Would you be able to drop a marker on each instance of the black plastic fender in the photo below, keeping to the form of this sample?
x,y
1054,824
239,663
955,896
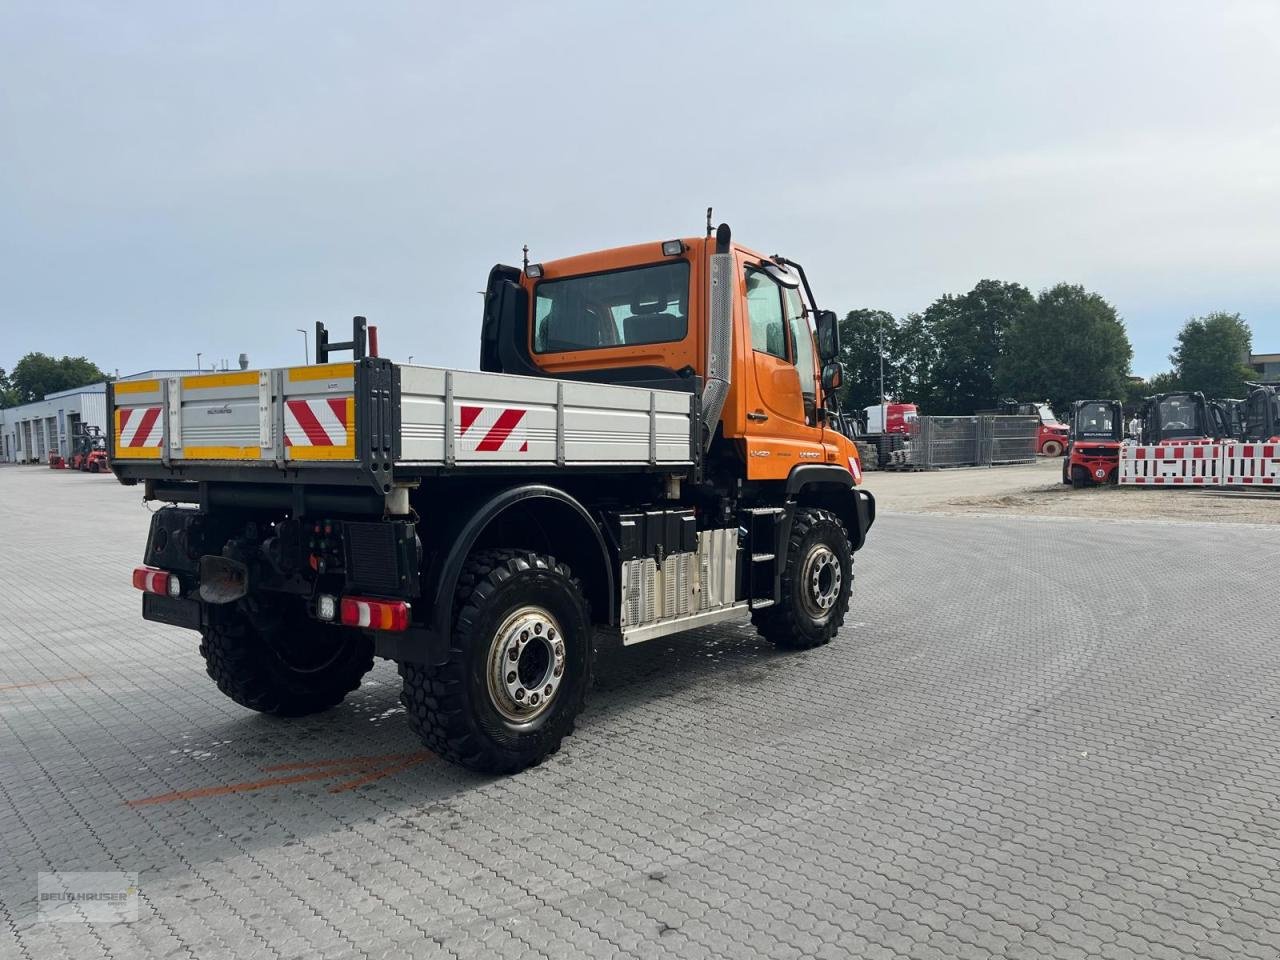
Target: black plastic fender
x,y
430,643
831,486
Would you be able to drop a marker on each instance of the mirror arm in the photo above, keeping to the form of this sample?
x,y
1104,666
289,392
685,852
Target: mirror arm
x,y
804,279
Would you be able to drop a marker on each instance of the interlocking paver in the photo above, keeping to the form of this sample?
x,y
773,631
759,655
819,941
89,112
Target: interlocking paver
x,y
1033,739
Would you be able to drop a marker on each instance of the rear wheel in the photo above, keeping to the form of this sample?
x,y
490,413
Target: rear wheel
x,y
1052,448
273,658
518,669
816,584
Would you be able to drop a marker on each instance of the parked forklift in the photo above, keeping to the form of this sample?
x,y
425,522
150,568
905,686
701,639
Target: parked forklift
x,y
88,449
1093,450
1176,418
1262,413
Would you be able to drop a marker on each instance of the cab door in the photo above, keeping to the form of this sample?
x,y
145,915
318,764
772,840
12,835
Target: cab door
x,y
781,430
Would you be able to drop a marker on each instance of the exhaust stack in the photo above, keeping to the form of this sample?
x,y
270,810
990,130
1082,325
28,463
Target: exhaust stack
x,y
719,334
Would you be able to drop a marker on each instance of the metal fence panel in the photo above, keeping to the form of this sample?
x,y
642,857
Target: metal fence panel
x,y
973,441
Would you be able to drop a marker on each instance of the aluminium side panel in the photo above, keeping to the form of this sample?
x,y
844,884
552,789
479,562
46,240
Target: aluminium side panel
x,y
213,416
138,426
457,418
319,419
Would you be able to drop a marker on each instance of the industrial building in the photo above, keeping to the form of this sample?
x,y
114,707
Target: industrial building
x,y
32,431
1266,365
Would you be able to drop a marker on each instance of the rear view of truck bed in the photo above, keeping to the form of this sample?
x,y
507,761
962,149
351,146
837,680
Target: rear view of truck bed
x,y
383,417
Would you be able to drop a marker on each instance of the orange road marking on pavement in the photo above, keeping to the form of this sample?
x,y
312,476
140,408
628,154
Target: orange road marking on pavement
x,y
368,769
43,683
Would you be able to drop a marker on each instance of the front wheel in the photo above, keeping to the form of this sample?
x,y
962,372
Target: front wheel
x,y
816,584
1052,448
518,669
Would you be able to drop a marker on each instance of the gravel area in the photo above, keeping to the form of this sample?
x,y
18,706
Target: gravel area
x,y
1036,490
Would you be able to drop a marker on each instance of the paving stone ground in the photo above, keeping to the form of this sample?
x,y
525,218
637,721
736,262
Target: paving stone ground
x,y
1034,738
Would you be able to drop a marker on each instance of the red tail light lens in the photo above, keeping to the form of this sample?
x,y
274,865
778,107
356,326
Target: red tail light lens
x,y
375,614
150,580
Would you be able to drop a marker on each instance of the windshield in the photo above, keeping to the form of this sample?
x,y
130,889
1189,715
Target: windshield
x,y
1179,419
621,308
1097,421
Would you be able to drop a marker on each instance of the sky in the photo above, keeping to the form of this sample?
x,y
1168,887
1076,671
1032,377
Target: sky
x,y
180,178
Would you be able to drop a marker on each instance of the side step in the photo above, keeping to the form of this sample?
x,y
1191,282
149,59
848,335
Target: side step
x,y
764,574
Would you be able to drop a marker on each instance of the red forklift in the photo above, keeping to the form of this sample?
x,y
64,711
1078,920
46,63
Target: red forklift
x,y
1093,450
88,449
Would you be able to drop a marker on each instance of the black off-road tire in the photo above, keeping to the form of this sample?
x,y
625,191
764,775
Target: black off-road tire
x,y
790,623
279,661
1080,478
452,706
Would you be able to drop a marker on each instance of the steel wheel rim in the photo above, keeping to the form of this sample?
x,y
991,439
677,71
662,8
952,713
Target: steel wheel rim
x,y
821,580
526,664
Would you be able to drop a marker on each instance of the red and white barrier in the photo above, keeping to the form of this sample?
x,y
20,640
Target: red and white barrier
x,y
1172,464
1251,464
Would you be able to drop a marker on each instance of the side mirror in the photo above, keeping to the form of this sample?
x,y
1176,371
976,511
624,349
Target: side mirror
x,y
832,376
828,334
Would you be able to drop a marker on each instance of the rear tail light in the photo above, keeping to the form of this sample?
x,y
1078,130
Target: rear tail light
x,y
150,580
375,614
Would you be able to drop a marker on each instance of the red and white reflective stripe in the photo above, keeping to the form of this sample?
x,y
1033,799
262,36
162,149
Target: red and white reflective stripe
x,y
150,580
856,469
375,614
493,429
316,423
140,427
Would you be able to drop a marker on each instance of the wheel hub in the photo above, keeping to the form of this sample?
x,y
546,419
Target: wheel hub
x,y
822,579
526,664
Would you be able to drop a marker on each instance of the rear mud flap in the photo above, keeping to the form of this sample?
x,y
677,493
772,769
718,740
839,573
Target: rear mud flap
x,y
174,612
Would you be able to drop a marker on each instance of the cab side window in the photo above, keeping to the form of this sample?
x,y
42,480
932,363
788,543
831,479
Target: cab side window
x,y
802,338
764,313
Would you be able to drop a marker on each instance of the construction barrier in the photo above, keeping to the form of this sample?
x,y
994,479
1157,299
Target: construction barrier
x,y
1251,464
1173,464
1201,463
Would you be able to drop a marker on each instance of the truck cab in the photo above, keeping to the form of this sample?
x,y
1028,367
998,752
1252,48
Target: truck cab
x,y
647,315
1093,451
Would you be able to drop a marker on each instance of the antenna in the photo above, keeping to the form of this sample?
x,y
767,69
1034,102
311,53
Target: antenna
x,y
708,221
526,256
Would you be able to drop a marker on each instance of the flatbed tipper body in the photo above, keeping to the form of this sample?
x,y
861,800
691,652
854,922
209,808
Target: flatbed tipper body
x,y
650,446
373,423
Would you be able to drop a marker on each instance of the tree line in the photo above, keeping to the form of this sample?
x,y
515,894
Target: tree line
x,y
965,352
36,375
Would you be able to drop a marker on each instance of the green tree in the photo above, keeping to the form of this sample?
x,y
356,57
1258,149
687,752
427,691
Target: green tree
x,y
915,354
969,332
1212,354
8,397
861,333
37,375
1072,346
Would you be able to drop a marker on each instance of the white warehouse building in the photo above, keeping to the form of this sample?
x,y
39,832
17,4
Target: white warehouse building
x,y
32,431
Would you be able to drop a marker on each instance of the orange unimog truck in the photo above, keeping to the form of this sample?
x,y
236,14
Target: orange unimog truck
x,y
650,447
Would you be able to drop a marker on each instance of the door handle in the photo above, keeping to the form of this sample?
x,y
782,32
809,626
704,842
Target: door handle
x,y
758,416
